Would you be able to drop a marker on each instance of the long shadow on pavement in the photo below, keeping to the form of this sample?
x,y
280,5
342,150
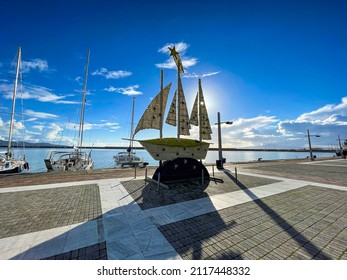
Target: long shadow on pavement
x,y
308,246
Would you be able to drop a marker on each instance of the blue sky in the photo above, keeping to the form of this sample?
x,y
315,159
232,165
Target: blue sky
x,y
275,68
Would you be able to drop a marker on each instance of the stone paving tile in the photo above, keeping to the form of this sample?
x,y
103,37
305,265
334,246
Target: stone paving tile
x,y
320,172
267,228
146,195
30,211
93,252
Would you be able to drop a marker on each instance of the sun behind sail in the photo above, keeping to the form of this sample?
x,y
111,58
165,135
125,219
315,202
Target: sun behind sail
x,y
206,130
199,116
182,116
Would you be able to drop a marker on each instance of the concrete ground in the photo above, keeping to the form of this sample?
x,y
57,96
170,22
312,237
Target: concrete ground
x,y
272,210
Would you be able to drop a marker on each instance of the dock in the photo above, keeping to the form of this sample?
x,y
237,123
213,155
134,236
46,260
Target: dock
x,y
281,210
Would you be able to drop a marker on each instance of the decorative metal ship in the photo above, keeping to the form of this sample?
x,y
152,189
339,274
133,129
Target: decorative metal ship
x,y
180,155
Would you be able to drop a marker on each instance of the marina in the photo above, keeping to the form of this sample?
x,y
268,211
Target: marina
x,y
103,157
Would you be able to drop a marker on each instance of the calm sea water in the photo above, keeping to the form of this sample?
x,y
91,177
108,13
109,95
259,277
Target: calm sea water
x,y
103,158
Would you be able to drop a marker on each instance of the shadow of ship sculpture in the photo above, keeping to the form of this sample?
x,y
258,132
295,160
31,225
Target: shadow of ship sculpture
x,y
182,157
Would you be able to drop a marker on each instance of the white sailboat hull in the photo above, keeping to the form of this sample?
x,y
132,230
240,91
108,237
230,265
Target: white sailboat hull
x,y
169,152
12,166
69,161
126,159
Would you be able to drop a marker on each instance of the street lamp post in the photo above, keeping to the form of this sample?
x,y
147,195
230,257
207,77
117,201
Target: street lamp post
x,y
220,155
309,142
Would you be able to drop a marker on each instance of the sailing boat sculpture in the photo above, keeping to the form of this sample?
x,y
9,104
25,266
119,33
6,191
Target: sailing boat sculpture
x,y
8,164
77,159
177,152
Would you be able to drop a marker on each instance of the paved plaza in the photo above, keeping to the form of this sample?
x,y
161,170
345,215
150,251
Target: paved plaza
x,y
275,210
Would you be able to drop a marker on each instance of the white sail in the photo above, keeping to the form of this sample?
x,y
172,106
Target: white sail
x,y
183,116
152,116
194,116
205,126
171,116
199,116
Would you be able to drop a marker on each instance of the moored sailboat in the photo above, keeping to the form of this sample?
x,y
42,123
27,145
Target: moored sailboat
x,y
77,159
8,163
129,158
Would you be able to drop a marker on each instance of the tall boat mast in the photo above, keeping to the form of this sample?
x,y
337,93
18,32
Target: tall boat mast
x,y
132,126
8,156
80,132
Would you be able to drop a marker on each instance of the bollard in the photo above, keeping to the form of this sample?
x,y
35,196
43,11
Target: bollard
x,y
236,174
135,173
213,170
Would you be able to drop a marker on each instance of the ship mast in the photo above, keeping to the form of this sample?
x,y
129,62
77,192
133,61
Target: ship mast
x,y
199,111
8,155
132,127
80,132
180,70
161,103
178,106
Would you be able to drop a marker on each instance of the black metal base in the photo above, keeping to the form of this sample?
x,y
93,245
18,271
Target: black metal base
x,y
181,170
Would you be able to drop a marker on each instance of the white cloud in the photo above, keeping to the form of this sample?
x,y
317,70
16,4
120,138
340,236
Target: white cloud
x,y
18,129
38,127
181,47
269,132
325,112
38,93
52,131
35,64
40,115
130,90
111,74
89,126
195,76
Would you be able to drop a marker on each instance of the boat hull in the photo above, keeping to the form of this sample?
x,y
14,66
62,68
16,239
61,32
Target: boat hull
x,y
13,167
69,161
127,160
163,151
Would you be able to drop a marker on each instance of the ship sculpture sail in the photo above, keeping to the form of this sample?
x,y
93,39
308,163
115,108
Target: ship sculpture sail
x,y
199,116
151,118
182,112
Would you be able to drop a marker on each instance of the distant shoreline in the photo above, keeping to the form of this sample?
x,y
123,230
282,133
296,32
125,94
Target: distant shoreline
x,y
317,150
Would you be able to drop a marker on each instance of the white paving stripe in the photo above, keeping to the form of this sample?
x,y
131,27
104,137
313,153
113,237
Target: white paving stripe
x,y
131,233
